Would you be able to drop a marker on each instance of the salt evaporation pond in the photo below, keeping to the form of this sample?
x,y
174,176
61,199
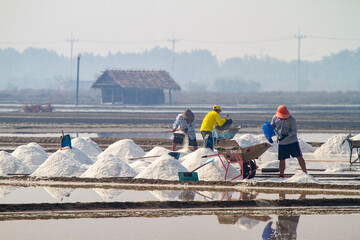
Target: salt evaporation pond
x,y
30,158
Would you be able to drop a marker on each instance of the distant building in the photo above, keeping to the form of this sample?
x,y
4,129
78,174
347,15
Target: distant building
x,y
135,87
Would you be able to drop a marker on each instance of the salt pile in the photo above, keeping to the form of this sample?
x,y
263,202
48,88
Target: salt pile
x,y
302,177
32,155
305,147
164,167
157,151
139,165
86,145
334,145
107,166
247,140
11,165
78,155
60,165
214,171
124,149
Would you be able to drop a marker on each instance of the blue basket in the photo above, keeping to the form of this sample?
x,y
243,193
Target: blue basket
x,y
268,131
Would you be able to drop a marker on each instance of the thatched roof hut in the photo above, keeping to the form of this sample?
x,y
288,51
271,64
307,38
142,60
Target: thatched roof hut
x,y
135,87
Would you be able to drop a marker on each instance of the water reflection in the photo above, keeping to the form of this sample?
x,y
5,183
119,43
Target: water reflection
x,y
59,193
285,228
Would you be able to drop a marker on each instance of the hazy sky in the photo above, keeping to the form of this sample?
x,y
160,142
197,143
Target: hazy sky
x,y
228,28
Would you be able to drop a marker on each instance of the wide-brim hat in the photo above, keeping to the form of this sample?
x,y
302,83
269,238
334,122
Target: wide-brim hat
x,y
188,115
282,112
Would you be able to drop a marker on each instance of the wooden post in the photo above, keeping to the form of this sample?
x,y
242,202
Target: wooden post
x,y
170,101
77,82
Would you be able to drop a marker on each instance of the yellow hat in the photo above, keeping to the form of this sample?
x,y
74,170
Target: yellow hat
x,y
217,107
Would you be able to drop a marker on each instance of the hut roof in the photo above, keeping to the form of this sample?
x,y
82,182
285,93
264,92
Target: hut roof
x,y
136,79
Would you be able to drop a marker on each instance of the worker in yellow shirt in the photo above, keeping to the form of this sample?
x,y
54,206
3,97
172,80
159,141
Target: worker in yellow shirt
x,y
210,120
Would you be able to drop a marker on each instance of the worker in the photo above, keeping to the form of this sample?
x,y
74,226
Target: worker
x,y
185,125
210,121
289,146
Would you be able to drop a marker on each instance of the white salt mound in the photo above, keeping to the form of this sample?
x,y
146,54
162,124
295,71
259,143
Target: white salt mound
x,y
214,171
60,165
156,151
109,166
86,145
356,137
124,149
247,140
10,164
165,167
31,155
78,155
334,146
34,144
139,165
305,147
302,177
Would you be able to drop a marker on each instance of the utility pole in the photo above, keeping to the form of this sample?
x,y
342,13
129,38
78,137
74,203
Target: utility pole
x,y
299,37
77,82
173,52
72,41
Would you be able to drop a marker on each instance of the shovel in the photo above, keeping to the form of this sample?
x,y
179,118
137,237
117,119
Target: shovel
x,y
175,155
192,176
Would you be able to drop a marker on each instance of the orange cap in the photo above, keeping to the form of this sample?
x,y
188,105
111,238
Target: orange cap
x,y
282,112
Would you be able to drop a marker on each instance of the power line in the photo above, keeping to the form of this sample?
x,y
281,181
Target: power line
x,y
334,38
237,42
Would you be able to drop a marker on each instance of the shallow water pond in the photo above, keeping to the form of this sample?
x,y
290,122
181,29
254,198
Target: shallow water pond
x,y
194,227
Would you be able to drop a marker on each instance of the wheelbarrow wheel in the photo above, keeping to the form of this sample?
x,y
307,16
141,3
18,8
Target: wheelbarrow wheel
x,y
249,171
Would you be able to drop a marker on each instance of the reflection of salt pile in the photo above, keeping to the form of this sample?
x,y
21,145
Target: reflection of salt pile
x,y
334,146
108,194
5,190
214,171
11,165
124,149
32,155
302,177
86,145
60,165
167,195
108,165
59,193
247,223
165,167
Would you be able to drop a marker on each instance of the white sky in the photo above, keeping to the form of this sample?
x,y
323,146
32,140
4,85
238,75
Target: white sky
x,y
138,25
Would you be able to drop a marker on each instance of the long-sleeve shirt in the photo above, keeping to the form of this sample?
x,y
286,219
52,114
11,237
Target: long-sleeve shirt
x,y
180,123
210,120
286,126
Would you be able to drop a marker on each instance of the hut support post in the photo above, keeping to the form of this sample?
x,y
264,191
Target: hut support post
x,y
170,101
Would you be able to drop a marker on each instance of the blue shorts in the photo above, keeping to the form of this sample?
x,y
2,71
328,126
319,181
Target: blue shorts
x,y
289,150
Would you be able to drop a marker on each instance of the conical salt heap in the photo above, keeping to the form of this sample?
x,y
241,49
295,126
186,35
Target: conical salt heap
x,y
124,149
108,165
32,155
11,165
